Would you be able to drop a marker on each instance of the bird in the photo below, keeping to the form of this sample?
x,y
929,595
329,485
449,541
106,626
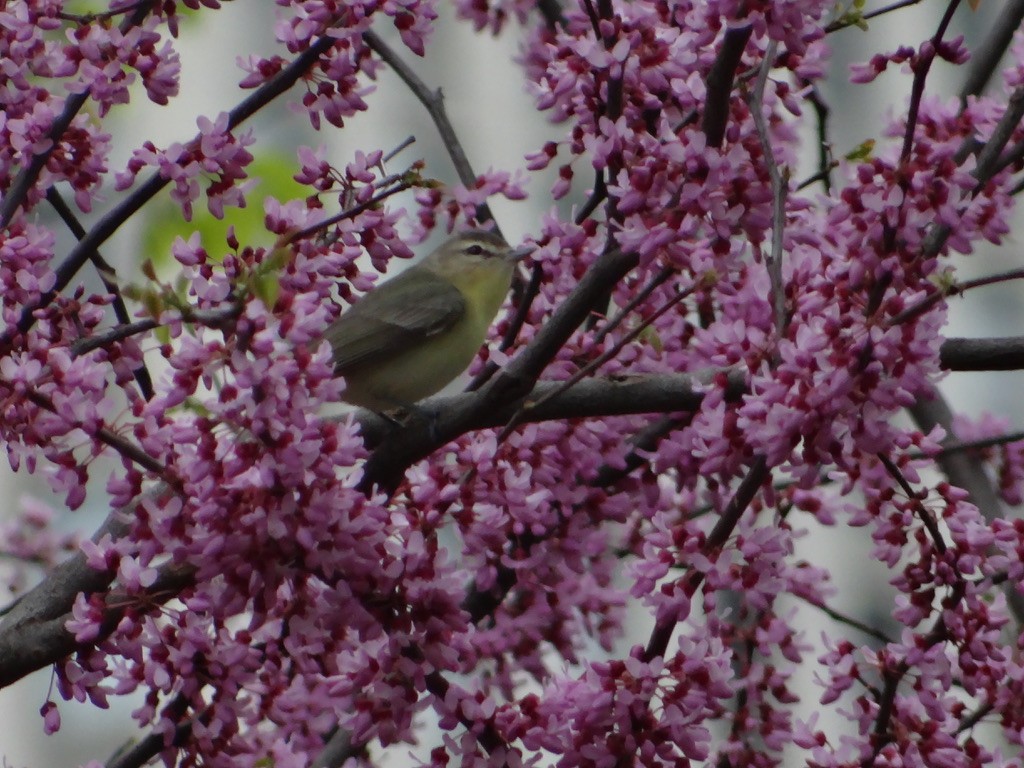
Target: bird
x,y
413,334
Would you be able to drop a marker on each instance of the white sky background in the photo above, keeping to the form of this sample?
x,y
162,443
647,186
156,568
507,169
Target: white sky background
x,y
496,122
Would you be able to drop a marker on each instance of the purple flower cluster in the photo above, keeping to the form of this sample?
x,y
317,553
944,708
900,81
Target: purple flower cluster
x,y
629,587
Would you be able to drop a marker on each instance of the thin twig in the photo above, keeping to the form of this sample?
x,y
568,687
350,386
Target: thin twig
x,y
433,101
352,212
835,26
987,161
816,177
589,368
523,304
849,621
663,274
922,511
955,290
756,476
893,675
111,439
977,445
205,317
597,196
964,469
920,76
975,717
825,162
109,278
779,190
83,346
409,141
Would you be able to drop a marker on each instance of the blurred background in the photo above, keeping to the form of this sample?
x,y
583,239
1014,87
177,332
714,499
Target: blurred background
x,y
496,121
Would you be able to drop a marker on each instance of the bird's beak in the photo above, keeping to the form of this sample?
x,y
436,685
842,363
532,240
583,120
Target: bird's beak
x,y
520,253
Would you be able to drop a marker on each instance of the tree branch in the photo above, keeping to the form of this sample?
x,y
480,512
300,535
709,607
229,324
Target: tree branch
x,y
112,221
779,190
985,58
719,84
109,278
502,393
996,354
965,470
433,101
756,476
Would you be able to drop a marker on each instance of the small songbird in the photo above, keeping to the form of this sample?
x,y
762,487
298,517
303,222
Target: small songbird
x,y
413,334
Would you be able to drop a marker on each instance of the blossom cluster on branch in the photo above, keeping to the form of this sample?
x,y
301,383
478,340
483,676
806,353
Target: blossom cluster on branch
x,y
281,588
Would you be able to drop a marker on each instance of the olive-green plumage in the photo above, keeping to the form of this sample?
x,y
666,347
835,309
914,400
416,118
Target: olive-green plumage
x,y
413,334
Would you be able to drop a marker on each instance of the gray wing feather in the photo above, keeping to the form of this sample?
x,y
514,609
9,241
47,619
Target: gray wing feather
x,y
390,319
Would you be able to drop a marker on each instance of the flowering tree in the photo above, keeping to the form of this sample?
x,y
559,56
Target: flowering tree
x,y
708,357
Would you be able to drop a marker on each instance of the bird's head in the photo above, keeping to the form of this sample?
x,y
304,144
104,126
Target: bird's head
x,y
473,252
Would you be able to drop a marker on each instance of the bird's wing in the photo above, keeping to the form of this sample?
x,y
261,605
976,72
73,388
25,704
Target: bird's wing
x,y
394,317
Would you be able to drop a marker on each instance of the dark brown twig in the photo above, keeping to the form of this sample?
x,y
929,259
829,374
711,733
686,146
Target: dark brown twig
x,y
639,298
849,621
399,186
433,101
825,162
923,513
955,290
109,278
921,69
127,450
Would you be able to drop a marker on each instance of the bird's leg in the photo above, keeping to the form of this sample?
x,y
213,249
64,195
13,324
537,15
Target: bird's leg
x,y
428,416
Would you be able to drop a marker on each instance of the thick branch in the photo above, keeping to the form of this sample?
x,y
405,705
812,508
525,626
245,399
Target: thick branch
x,y
590,398
985,57
32,633
998,354
719,84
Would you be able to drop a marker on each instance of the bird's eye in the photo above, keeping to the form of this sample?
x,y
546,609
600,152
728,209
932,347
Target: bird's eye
x,y
474,250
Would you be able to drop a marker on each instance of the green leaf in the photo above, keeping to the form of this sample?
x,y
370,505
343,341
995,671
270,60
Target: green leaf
x,y
650,337
164,222
862,151
267,287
